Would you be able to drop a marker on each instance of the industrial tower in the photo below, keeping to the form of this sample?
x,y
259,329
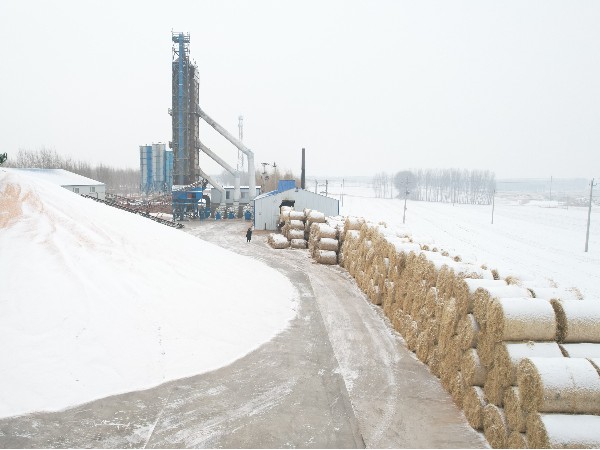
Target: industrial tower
x,y
185,121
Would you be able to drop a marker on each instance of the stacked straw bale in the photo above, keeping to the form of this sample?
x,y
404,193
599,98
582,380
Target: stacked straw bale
x,y
293,226
277,241
563,431
478,333
323,243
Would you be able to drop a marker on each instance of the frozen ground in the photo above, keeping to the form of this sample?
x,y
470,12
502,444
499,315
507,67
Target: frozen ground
x,y
538,242
96,301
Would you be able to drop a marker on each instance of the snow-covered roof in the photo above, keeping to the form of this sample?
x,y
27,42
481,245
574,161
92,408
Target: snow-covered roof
x,y
58,176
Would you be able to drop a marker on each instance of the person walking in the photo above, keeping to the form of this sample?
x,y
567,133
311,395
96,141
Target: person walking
x,y
249,234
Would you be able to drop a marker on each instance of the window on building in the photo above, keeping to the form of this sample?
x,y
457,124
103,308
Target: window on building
x,y
244,195
76,190
92,188
227,194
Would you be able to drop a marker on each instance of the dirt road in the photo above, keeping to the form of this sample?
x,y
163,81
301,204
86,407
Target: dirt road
x,y
337,377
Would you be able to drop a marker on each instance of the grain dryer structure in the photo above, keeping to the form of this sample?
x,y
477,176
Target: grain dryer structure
x,y
185,114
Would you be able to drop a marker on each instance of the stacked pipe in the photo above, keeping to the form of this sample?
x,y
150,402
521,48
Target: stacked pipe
x,y
480,335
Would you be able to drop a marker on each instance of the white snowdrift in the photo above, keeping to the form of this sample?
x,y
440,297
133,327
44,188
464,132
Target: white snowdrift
x,y
95,301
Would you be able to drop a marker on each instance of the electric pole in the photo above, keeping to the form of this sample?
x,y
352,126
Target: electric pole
x,y
405,197
493,204
587,233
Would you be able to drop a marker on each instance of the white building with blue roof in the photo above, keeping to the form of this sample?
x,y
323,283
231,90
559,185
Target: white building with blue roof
x,y
267,206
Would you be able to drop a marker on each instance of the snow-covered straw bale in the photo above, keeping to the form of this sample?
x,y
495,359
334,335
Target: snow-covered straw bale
x,y
563,431
508,355
549,293
495,427
559,385
582,350
473,404
326,257
297,215
518,319
484,295
296,225
315,217
278,241
328,244
464,291
578,321
468,332
473,372
353,223
295,234
515,416
298,243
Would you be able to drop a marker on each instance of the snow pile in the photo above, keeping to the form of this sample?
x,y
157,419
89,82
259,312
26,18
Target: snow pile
x,y
96,301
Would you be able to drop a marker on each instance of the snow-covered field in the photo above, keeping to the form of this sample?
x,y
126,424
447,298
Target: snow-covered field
x,y
538,242
95,301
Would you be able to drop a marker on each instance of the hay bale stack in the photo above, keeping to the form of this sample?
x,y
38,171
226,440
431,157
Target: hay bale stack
x,y
448,322
277,241
425,345
296,225
578,321
508,355
326,257
582,350
563,431
517,440
474,373
559,385
315,217
298,243
457,388
516,418
353,223
495,427
473,404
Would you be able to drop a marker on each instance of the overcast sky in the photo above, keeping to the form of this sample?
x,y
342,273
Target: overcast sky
x,y
365,86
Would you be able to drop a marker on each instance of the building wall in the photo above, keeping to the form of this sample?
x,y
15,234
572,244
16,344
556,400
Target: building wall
x,y
95,191
215,195
266,209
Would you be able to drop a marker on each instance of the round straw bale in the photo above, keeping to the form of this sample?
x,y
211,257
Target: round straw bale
x,y
515,416
559,385
473,372
563,431
583,350
425,345
457,388
468,331
328,244
464,291
519,319
353,223
278,241
473,404
448,321
484,295
494,391
486,347
495,427
295,234
316,217
411,335
284,215
434,361
326,257
578,321
517,440
297,215
508,355
296,225
298,243
453,354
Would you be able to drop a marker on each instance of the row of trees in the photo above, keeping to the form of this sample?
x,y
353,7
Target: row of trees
x,y
118,181
474,187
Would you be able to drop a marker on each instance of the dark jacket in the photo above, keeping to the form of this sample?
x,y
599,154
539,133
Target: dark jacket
x,y
249,233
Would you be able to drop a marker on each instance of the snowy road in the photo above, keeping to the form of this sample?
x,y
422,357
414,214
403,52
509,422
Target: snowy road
x,y
337,377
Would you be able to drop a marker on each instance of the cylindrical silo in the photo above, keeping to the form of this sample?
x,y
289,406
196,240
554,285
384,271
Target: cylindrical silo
x,y
146,182
168,174
158,160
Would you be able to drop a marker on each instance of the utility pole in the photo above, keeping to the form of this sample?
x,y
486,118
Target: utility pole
x,y
550,187
326,185
587,233
316,186
342,194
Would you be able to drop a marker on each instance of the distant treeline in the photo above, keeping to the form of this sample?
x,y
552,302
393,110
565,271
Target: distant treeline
x,y
475,187
117,181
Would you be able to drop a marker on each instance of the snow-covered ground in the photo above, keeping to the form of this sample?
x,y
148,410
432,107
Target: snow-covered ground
x,y
95,301
538,242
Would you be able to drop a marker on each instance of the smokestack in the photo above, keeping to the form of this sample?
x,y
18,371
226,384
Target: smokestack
x,y
303,174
